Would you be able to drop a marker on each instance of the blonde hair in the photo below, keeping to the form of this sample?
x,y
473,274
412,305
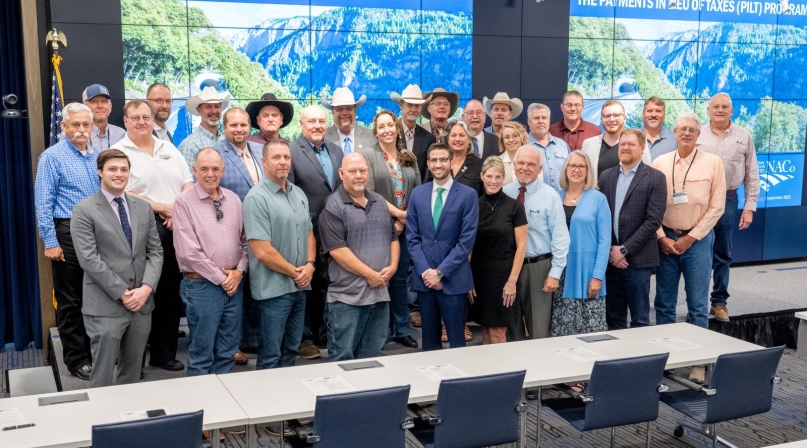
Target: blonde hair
x,y
520,131
493,162
564,176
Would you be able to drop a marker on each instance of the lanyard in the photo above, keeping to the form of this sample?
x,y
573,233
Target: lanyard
x,y
684,185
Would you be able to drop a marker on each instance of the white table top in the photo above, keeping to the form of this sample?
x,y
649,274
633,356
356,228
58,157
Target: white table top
x,y
801,315
799,444
70,424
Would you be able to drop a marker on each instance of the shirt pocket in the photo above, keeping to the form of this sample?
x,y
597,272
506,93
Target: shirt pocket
x,y
699,188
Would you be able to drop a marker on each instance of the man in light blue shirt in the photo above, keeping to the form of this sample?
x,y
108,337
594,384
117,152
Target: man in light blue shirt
x,y
554,151
547,247
104,134
659,140
209,106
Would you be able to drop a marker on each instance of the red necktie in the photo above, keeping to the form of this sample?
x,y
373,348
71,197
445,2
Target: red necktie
x,y
521,191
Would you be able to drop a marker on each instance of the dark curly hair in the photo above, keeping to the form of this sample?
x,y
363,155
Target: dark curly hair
x,y
405,157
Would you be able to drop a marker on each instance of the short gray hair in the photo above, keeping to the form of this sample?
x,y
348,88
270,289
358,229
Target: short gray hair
x,y
688,116
721,94
532,148
538,106
74,108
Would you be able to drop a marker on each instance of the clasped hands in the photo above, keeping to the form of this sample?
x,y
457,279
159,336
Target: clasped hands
x,y
134,299
230,284
432,280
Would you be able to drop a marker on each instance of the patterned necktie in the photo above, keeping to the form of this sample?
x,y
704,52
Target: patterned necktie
x,y
253,172
521,191
438,206
476,146
124,221
347,149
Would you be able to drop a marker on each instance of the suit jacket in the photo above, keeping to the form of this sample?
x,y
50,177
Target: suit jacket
x,y
592,145
447,247
423,140
641,213
363,138
236,176
110,266
490,145
306,173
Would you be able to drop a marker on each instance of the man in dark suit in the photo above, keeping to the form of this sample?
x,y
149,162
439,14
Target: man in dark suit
x,y
315,164
417,139
118,248
637,195
441,225
485,143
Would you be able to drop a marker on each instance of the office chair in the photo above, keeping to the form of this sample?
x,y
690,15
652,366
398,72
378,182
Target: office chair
x,y
620,392
174,431
364,419
741,385
473,412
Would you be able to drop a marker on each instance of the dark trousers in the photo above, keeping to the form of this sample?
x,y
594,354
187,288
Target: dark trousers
x,y
167,302
314,322
68,279
721,256
435,305
251,318
628,289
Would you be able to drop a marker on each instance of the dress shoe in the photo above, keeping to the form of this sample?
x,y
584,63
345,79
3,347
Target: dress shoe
x,y
206,435
721,313
274,429
240,359
406,341
173,365
142,376
180,334
698,375
83,372
309,351
414,320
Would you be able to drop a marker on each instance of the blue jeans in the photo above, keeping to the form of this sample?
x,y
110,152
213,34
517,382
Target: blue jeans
x,y
436,305
627,289
281,330
399,293
214,321
356,331
695,265
721,261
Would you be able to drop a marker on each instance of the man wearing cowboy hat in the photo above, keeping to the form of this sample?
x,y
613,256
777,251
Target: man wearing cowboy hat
x,y
344,130
485,144
269,116
207,105
417,139
501,108
441,106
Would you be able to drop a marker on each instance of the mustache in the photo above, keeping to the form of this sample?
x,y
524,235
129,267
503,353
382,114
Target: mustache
x,y
81,134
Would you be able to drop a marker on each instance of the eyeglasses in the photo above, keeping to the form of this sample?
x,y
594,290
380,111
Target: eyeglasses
x,y
440,160
160,101
612,116
688,130
219,213
478,113
144,119
576,167
572,105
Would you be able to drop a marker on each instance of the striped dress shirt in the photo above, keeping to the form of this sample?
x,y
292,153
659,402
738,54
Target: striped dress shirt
x,y
736,149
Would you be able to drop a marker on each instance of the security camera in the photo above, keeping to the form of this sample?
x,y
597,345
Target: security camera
x,y
9,112
11,99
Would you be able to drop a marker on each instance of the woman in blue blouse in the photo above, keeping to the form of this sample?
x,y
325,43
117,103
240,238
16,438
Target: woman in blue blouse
x,y
579,305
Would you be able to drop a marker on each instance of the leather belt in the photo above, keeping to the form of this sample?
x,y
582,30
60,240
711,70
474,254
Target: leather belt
x,y
728,192
191,275
676,231
537,258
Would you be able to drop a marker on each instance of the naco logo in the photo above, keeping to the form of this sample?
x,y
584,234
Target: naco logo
x,y
774,172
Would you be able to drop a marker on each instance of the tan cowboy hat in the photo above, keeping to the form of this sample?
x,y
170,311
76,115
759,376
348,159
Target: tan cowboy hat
x,y
502,98
208,95
342,96
452,97
411,94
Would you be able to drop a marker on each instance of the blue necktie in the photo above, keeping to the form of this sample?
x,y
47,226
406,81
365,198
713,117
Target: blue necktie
x,y
347,149
476,146
124,221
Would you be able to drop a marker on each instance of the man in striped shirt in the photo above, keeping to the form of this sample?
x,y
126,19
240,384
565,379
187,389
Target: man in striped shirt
x,y
735,146
66,175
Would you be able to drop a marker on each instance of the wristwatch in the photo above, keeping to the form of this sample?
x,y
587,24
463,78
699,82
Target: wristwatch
x,y
242,271
439,274
622,250
311,262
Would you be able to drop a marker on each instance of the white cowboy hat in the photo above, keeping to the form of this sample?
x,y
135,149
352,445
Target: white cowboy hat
x,y
502,98
411,94
342,96
452,97
208,95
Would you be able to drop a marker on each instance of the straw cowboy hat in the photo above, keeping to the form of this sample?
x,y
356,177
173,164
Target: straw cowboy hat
x,y
502,98
208,95
452,97
411,94
342,96
269,99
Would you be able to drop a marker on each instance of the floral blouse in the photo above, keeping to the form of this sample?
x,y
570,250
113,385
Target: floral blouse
x,y
396,172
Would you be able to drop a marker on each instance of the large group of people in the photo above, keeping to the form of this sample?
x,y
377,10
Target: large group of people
x,y
347,237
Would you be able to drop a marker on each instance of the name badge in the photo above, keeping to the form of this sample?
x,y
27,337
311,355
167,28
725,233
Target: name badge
x,y
680,198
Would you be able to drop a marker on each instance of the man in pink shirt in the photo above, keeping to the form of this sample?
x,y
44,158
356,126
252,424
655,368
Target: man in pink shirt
x,y
211,249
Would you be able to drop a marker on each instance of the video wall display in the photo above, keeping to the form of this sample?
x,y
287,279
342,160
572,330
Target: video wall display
x,y
685,51
300,50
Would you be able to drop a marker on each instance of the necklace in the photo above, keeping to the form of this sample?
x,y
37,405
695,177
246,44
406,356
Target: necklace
x,y
574,200
492,207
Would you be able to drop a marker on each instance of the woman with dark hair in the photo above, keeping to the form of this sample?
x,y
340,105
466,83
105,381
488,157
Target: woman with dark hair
x,y
393,174
466,168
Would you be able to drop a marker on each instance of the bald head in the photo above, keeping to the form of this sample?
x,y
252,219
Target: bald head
x,y
354,174
313,123
352,158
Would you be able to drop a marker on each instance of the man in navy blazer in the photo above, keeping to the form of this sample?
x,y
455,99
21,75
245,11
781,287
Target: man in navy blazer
x,y
637,195
441,225
315,164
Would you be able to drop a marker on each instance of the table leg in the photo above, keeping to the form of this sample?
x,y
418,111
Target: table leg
x,y
538,418
522,435
215,440
252,436
283,434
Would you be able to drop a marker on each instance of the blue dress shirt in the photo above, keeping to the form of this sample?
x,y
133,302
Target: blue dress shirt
x,y
553,155
664,143
622,184
324,158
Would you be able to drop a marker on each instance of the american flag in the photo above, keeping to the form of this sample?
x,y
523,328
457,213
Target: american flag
x,y
55,101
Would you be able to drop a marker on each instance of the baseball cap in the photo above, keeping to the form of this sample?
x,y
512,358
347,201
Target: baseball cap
x,y
93,91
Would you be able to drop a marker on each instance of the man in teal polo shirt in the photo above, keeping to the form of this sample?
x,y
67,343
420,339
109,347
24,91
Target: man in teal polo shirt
x,y
281,256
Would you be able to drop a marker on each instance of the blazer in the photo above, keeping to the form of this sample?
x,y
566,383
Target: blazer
x,y
420,147
470,174
236,177
641,213
380,180
590,236
490,145
591,146
110,266
306,172
447,247
363,138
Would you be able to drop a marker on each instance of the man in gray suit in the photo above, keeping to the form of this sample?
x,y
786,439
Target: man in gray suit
x,y
343,105
117,245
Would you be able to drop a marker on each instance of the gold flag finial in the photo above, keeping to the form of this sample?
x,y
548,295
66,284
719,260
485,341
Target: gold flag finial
x,y
55,38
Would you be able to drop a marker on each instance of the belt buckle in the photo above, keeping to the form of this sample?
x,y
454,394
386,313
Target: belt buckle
x,y
678,232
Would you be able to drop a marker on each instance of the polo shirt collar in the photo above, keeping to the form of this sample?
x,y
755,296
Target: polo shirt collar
x,y
345,196
274,187
159,144
202,194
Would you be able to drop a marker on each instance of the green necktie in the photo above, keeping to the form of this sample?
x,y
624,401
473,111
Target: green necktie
x,y
438,206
